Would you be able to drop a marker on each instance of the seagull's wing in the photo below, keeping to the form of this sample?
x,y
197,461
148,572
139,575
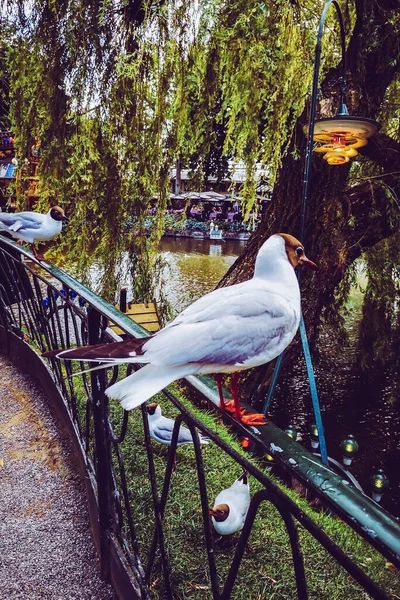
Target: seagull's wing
x,y
164,428
210,306
252,326
262,325
23,220
9,221
226,326
231,326
114,353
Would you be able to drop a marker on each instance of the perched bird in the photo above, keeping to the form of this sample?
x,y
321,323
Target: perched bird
x,y
226,331
33,227
161,428
231,506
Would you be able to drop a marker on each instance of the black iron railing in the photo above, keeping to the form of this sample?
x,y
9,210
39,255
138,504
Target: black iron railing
x,y
43,308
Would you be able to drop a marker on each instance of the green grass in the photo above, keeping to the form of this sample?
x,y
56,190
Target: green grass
x,y
265,573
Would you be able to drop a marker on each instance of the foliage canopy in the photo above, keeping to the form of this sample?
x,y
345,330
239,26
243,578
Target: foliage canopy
x,y
118,91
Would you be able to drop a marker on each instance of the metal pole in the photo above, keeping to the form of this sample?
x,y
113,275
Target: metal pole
x,y
317,64
102,456
306,185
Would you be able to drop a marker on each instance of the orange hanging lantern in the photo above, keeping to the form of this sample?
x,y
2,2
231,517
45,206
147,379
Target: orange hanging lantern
x,y
339,137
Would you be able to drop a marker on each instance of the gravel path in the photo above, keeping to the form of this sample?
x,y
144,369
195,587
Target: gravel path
x,y
46,550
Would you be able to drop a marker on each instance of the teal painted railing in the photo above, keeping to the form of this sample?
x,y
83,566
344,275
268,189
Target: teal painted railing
x,y
41,308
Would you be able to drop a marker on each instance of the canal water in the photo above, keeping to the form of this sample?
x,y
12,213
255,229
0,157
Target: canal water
x,y
351,402
195,266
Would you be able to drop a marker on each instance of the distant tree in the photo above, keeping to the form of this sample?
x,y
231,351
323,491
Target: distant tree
x,y
4,87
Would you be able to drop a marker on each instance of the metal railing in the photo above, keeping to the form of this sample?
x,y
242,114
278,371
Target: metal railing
x,y
43,308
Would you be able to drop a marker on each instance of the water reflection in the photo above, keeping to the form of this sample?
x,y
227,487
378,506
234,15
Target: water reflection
x,y
215,249
194,267
189,245
350,403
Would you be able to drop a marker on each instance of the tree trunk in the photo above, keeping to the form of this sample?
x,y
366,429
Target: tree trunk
x,y
344,217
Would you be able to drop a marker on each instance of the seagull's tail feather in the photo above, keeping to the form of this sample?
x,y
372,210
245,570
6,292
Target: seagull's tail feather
x,y
98,368
145,383
243,478
204,439
115,352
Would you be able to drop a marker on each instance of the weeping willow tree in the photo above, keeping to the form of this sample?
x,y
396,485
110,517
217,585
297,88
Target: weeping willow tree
x,y
4,89
351,208
118,91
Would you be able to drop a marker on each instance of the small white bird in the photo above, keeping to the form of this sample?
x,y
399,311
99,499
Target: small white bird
x,y
231,506
161,428
226,331
33,227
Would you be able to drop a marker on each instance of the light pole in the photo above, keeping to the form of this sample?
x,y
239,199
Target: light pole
x,y
340,135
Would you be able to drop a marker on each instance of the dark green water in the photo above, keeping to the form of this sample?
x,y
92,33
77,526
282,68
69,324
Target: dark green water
x,y
350,402
195,266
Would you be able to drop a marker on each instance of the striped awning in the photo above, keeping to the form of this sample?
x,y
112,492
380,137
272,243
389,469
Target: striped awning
x,y
7,170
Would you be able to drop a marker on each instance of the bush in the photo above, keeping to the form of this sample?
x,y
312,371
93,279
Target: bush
x,y
177,224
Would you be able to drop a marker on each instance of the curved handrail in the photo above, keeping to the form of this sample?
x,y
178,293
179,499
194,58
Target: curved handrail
x,y
366,517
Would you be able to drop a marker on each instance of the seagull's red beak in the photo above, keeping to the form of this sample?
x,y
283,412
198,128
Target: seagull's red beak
x,y
306,262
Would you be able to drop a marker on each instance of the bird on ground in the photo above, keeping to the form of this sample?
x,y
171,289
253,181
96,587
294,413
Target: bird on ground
x,y
31,227
230,507
161,428
226,331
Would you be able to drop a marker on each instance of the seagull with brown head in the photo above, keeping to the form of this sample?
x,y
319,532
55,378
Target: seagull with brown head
x,y
229,330
230,507
31,227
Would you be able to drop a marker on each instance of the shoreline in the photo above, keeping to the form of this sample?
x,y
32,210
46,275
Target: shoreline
x,y
207,236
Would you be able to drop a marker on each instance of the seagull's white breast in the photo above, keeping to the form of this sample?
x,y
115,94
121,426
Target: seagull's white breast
x,y
30,226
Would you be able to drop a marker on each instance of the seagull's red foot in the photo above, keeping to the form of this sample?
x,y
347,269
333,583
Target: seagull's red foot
x,y
38,256
252,418
229,406
245,416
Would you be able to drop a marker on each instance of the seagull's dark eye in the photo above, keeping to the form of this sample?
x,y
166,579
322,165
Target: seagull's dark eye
x,y
299,251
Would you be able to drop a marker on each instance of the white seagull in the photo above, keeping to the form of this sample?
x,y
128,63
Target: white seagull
x,y
226,331
161,428
230,507
33,227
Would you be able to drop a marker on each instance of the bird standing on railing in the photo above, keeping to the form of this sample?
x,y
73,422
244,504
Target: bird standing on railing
x,y
161,428
33,227
230,507
226,331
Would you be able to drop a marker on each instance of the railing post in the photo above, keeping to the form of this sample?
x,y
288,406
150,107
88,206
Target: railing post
x,y
102,448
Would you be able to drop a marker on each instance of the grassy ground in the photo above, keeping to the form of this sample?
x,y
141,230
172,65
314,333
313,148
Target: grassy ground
x,y
265,573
